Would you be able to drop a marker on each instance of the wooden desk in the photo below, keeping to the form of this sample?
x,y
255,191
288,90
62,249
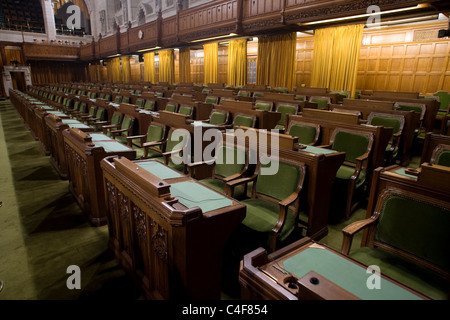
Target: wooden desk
x,y
306,270
55,128
321,168
83,155
163,233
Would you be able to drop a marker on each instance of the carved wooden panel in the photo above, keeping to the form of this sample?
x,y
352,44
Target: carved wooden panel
x,y
142,37
49,52
87,52
169,31
108,46
304,59
214,18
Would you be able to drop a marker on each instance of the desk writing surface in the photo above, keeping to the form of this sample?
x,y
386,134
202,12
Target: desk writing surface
x,y
112,146
402,172
344,273
79,126
317,150
58,113
99,137
193,194
158,169
202,124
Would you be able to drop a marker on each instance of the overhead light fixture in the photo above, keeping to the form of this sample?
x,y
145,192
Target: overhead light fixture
x,y
149,49
114,55
365,15
214,38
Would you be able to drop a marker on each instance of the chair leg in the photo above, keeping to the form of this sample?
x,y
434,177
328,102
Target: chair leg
x,y
350,192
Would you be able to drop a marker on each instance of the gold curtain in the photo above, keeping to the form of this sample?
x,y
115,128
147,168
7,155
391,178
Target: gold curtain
x,y
237,63
211,53
149,67
126,69
114,69
185,65
93,73
166,66
45,72
336,56
276,60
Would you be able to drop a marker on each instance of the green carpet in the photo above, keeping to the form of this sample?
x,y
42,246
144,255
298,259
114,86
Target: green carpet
x,y
44,231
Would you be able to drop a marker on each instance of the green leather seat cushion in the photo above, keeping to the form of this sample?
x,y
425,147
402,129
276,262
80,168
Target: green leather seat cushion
x,y
285,109
322,103
245,121
264,106
354,145
390,122
345,172
262,216
186,110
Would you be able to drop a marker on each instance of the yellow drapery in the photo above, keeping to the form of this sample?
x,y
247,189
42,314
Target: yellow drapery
x,y
336,56
93,76
276,60
237,62
114,69
166,66
211,53
185,65
149,67
126,69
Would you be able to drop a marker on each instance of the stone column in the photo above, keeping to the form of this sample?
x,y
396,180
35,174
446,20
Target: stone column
x,y
49,19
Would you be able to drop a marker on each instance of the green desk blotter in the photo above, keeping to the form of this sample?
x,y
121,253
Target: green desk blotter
x,y
403,173
99,137
316,150
345,274
158,169
112,146
193,194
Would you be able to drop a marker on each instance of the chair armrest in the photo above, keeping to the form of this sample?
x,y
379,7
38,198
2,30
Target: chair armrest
x,y
350,230
131,138
193,167
360,165
325,146
230,185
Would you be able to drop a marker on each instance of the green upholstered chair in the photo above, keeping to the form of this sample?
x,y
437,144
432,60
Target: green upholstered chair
x,y
126,99
171,107
206,91
102,95
322,102
444,100
396,122
186,110
258,94
299,97
222,170
99,116
281,90
263,105
408,238
108,97
75,109
218,117
307,133
244,93
173,149
357,147
212,99
272,211
345,94
149,105
118,99
140,103
441,155
244,120
417,108
116,120
121,132
90,115
285,109
151,142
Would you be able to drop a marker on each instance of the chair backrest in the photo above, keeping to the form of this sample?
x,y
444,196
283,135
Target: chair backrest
x,y
322,102
444,99
225,168
172,142
218,117
305,132
353,143
126,99
212,99
100,113
118,99
186,110
140,102
92,111
415,224
171,107
149,105
127,123
441,155
263,105
396,122
416,107
258,94
156,132
244,120
283,183
76,105
342,93
116,118
243,93
285,109
300,97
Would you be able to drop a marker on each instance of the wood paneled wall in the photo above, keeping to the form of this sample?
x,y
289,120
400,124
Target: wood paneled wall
x,y
405,59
